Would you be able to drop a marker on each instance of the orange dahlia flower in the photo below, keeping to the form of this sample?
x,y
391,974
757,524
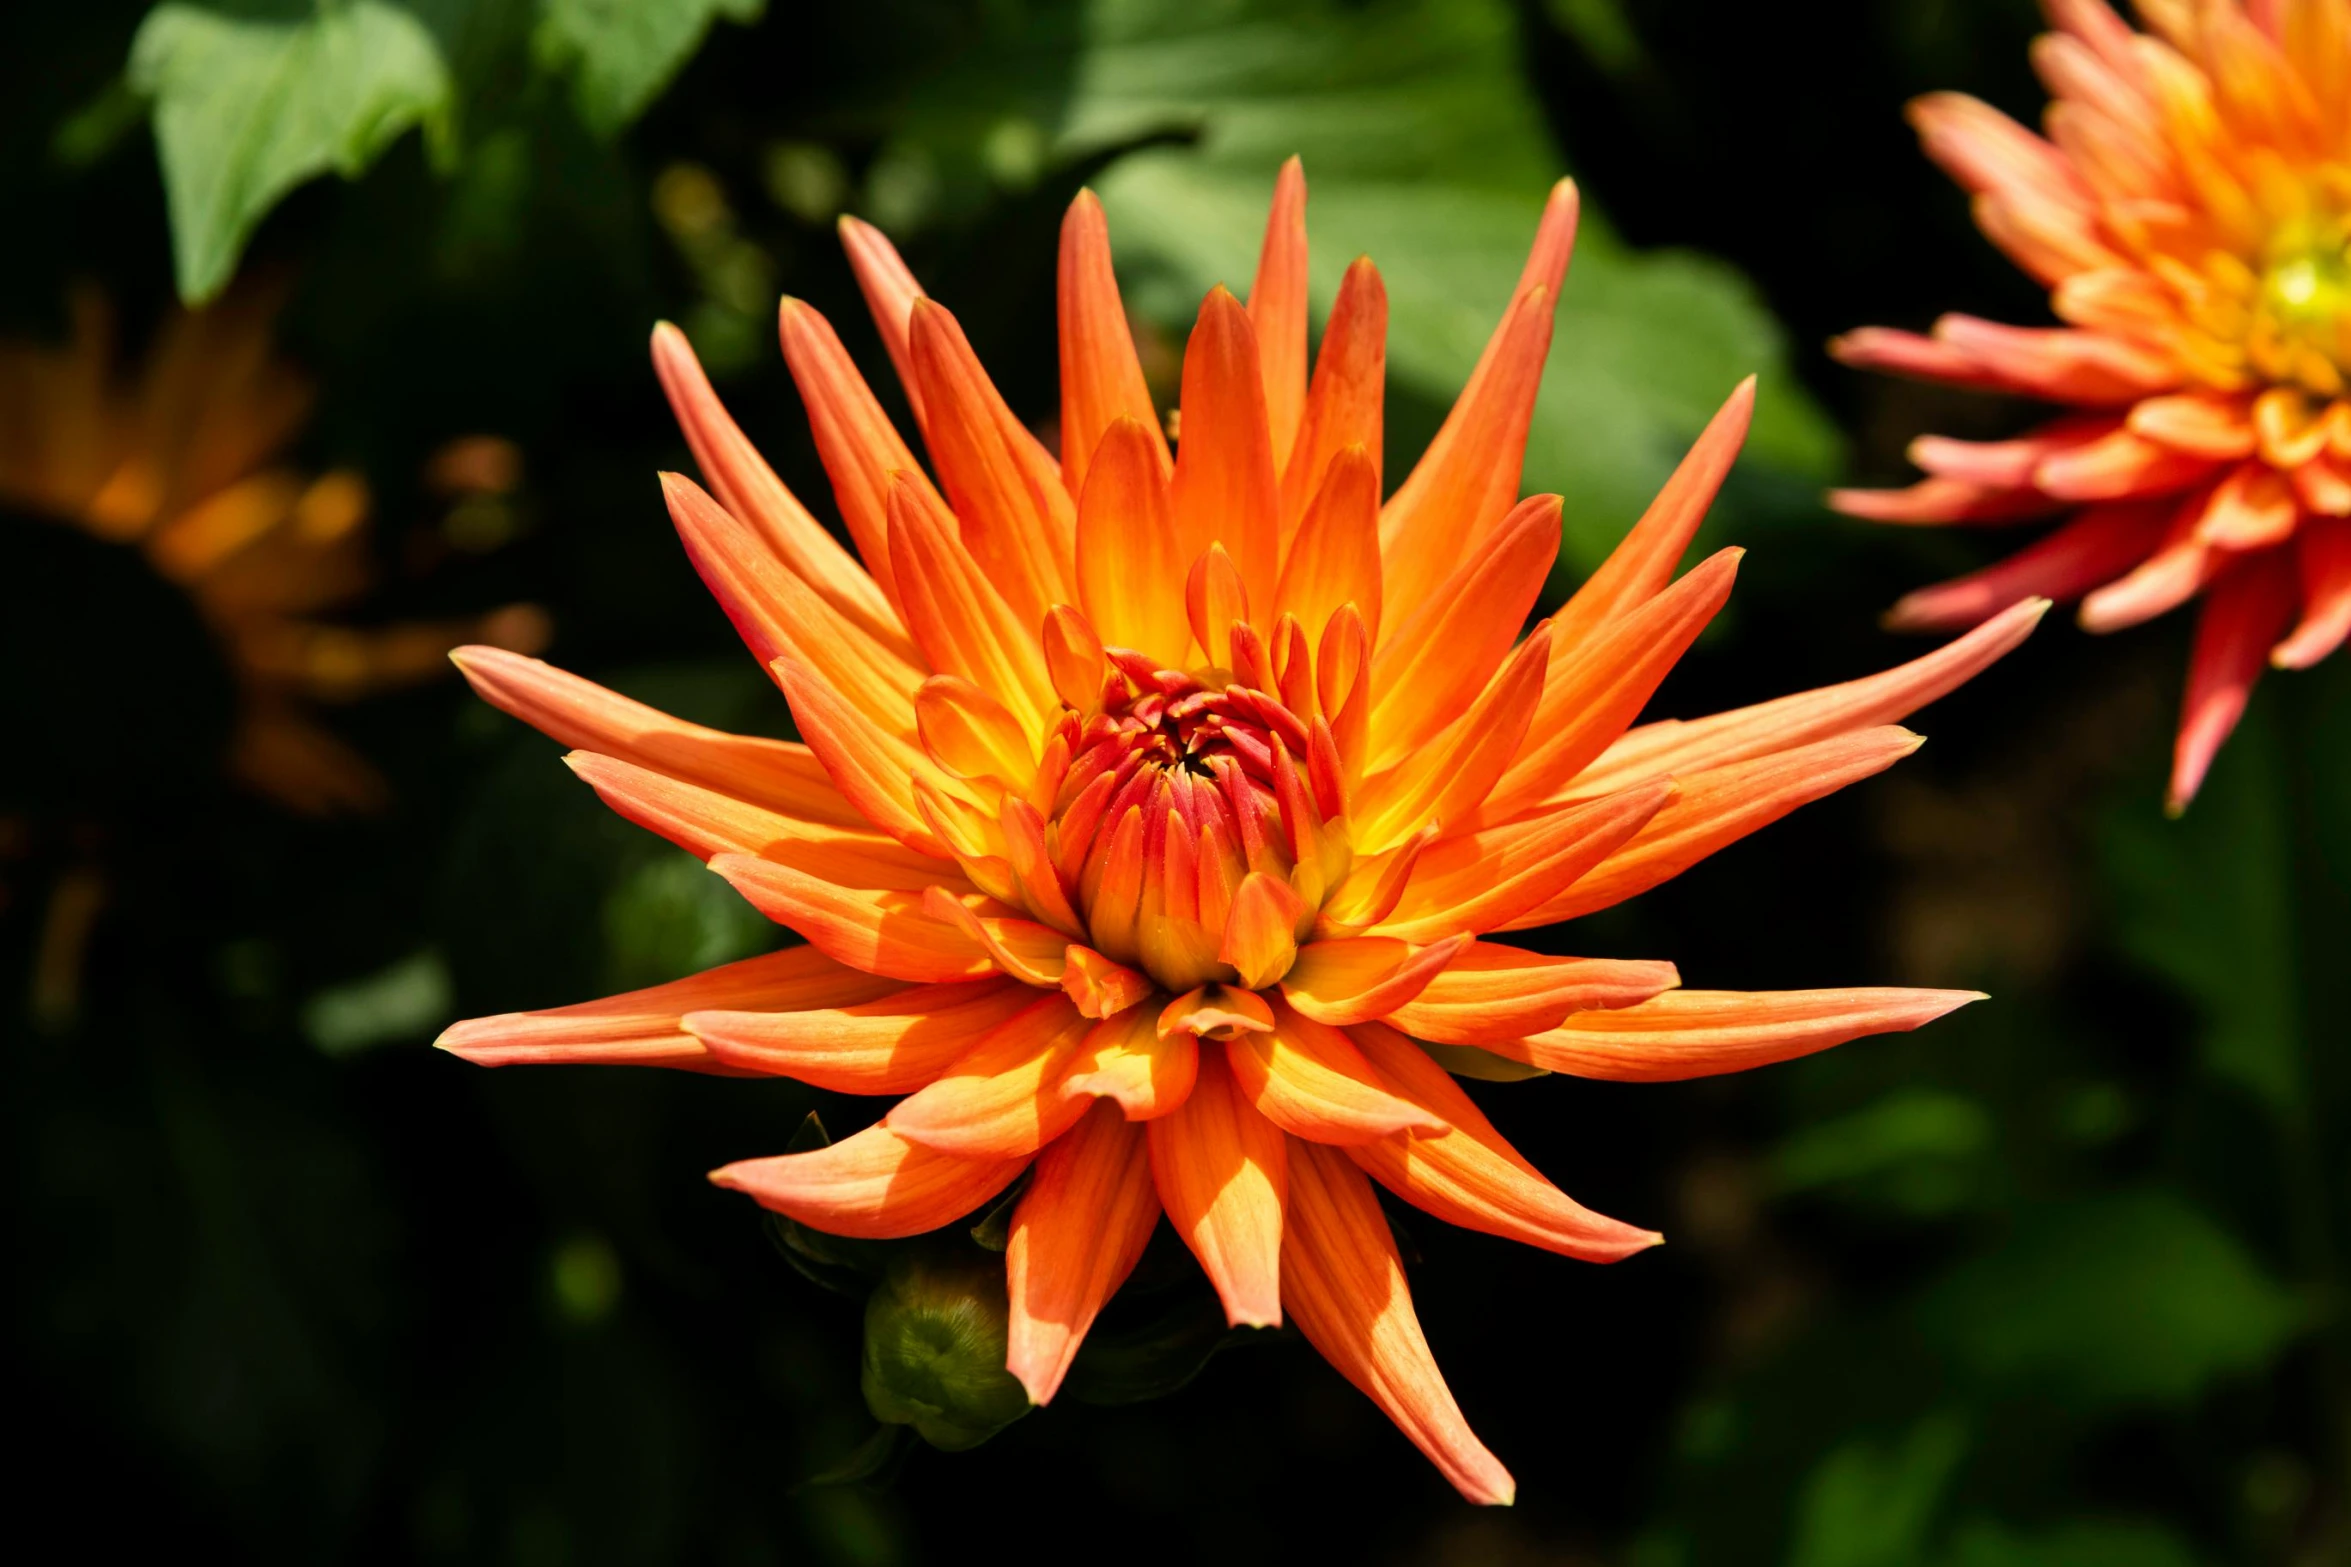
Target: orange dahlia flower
x,y
2190,210
180,463
1153,808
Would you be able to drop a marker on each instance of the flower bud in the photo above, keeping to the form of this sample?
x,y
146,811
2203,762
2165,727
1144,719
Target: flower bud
x,y
935,1346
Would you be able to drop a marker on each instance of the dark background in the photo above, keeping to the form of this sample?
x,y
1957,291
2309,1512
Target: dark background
x,y
2060,1279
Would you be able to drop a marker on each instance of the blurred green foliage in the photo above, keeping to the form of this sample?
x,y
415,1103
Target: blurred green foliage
x,y
2059,1280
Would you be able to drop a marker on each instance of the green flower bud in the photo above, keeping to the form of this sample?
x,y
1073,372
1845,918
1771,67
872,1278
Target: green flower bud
x,y
934,1347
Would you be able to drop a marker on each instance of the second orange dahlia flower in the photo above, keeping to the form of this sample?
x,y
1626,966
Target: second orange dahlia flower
x,y
1154,809
2190,211
184,461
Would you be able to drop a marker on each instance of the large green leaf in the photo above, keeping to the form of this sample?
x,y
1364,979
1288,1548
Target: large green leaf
x,y
2130,1300
2083,1543
1872,1506
1424,150
2208,903
248,108
620,54
1919,1150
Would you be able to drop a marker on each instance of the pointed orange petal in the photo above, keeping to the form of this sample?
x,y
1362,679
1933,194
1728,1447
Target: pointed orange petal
x,y
1434,663
1335,557
1593,692
1126,1058
1079,1231
880,932
890,1044
2207,424
2181,567
2009,464
971,734
1444,783
1277,309
1130,572
644,1027
1260,932
2246,611
1015,517
1643,562
1002,1099
2323,485
1554,244
1344,1287
1098,987
2254,508
872,764
1934,501
778,774
1343,406
704,823
1700,1033
1222,1171
859,447
1073,658
1224,489
1494,992
1468,479
1471,1176
2097,546
1489,879
850,693
1028,951
963,625
1681,748
1041,889
890,292
1717,807
1984,149
773,608
969,834
2058,364
749,489
1215,1012
1101,379
1358,978
873,1186
2323,560
1311,1081
1500,379
1215,599
1372,889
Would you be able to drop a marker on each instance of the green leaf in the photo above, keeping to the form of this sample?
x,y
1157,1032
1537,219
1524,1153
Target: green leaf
x,y
98,126
2128,1300
1153,1358
409,1000
1424,150
993,1231
2208,903
672,917
620,54
1872,1506
1917,1149
246,109
1470,1061
872,1461
2082,1543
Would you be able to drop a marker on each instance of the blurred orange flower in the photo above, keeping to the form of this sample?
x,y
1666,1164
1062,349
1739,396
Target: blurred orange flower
x,y
2190,211
1153,807
181,463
